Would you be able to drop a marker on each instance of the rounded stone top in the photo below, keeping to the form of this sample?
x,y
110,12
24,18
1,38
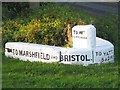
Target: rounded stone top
x,y
85,27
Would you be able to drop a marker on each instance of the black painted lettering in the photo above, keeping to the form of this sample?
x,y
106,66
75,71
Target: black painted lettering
x,y
47,56
96,53
100,53
74,32
77,57
69,58
20,52
23,53
66,57
87,58
41,56
61,57
16,52
13,51
73,57
30,54
82,57
26,53
33,54
102,60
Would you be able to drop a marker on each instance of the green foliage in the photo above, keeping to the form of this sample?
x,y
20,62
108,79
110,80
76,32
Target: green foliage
x,y
46,25
107,27
25,74
13,9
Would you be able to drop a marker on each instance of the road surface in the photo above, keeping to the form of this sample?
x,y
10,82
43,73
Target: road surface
x,y
96,8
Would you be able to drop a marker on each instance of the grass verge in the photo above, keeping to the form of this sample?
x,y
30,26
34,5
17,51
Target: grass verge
x,y
27,74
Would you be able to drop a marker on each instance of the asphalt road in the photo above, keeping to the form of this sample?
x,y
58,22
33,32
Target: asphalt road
x,y
96,8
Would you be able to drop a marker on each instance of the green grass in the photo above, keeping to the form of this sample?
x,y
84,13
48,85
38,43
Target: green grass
x,y
18,73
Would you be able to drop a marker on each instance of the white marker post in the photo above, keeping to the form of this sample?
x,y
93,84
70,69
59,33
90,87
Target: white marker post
x,y
84,36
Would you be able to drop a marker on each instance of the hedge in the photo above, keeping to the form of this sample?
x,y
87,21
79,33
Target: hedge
x,y
48,25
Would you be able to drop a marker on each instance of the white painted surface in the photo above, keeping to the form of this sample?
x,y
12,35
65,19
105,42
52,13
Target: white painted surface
x,y
35,52
51,54
87,49
104,51
84,36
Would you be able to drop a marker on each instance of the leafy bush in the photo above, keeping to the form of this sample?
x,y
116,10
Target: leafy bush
x,y
46,25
